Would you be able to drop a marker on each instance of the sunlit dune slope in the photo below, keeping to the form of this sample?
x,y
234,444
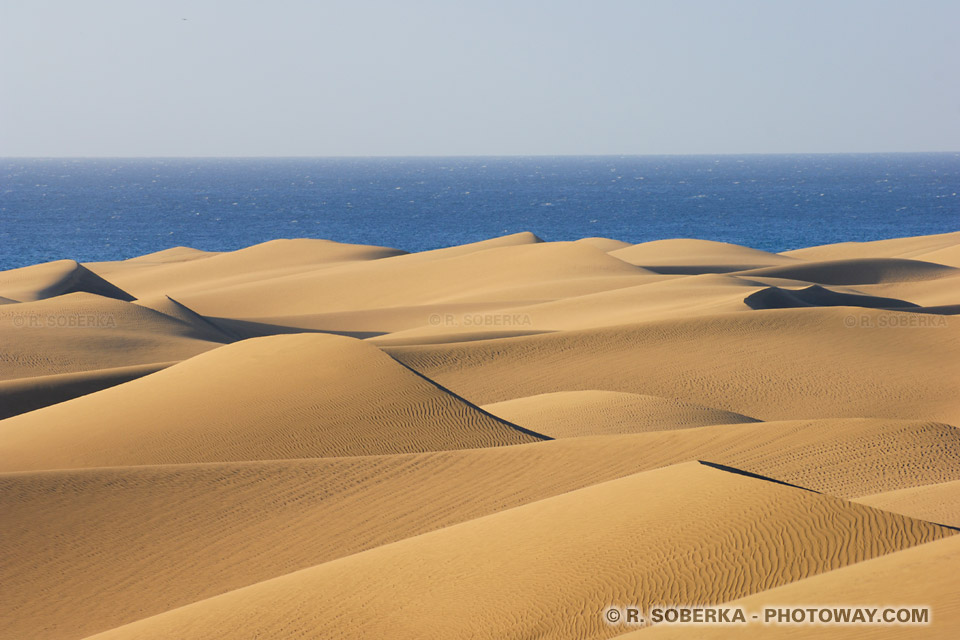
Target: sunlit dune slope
x,y
171,273
218,527
922,576
688,533
84,332
566,414
769,364
938,502
294,396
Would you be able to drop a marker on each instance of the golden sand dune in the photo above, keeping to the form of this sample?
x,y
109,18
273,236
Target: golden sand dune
x,y
771,365
948,255
55,279
295,396
527,272
578,552
655,297
506,438
511,240
922,576
927,293
916,247
858,271
567,414
697,256
84,332
173,254
507,274
202,327
938,502
148,276
26,394
605,244
817,296
218,527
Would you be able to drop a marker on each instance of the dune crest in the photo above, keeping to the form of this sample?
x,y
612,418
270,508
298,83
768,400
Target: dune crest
x,y
292,396
52,279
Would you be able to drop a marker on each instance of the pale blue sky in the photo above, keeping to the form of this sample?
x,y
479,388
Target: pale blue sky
x,y
241,78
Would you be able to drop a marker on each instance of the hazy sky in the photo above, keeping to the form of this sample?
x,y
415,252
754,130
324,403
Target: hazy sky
x,y
238,78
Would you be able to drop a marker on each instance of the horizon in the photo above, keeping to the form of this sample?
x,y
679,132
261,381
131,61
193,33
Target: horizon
x,y
483,156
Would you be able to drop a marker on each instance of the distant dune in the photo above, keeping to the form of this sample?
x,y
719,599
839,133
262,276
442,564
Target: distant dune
x,y
309,439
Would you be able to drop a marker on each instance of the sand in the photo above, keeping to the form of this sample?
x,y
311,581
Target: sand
x,y
309,439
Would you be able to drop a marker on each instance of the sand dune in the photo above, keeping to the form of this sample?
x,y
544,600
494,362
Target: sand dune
x,y
21,395
480,579
604,244
147,276
219,527
173,254
86,332
858,271
894,248
294,396
938,502
771,365
508,274
654,297
691,257
305,438
567,414
817,296
53,279
924,575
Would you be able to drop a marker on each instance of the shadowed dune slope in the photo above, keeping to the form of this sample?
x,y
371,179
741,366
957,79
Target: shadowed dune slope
x,y
85,332
922,576
51,279
857,271
567,414
202,326
294,396
817,296
21,395
771,365
655,535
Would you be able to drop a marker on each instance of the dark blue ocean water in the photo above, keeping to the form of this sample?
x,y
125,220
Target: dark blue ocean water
x,y
105,209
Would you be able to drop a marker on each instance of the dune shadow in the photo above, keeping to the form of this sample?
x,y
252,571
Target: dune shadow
x,y
817,296
252,329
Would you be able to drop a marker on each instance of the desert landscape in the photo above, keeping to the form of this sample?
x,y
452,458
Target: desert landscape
x,y
505,439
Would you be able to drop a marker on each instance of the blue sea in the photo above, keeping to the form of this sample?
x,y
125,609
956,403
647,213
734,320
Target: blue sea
x,y
109,209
